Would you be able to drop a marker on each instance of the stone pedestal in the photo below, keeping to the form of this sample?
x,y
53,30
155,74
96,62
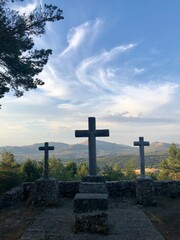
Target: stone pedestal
x,y
91,205
46,192
145,193
89,202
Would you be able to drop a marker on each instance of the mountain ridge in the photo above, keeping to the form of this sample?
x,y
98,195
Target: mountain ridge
x,y
66,151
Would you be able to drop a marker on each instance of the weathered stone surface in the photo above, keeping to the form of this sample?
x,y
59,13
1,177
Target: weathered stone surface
x,y
68,188
141,145
87,202
167,188
91,178
91,187
46,192
125,189
121,188
145,193
94,222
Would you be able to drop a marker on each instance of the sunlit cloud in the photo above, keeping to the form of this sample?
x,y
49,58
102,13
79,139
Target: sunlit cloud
x,y
144,98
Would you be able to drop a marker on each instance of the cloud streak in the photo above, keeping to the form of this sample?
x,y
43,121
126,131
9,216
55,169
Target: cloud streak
x,y
84,32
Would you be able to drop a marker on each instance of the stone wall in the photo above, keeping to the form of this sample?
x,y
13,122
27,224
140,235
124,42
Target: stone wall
x,y
70,188
17,194
167,188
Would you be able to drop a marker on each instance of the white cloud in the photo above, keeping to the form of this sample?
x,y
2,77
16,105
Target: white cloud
x,y
138,71
144,98
28,8
77,35
93,71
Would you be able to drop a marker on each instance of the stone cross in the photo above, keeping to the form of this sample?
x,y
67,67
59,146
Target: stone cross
x,y
92,133
141,145
46,149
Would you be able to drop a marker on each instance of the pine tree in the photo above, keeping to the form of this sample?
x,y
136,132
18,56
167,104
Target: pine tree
x,y
170,167
20,62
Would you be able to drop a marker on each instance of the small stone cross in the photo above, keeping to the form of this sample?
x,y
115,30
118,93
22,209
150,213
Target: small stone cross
x,y
46,149
92,133
141,145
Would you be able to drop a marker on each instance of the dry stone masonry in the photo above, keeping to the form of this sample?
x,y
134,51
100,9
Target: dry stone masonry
x,y
90,207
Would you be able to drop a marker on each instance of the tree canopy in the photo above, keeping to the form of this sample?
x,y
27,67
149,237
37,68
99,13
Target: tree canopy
x,y
20,62
170,167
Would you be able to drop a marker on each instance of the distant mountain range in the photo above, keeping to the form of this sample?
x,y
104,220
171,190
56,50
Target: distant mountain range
x,y
65,151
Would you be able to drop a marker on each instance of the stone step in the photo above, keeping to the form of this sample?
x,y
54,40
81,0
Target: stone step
x,y
87,202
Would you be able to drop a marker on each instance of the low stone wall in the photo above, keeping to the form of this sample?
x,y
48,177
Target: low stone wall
x,y
70,188
115,188
16,194
167,188
121,188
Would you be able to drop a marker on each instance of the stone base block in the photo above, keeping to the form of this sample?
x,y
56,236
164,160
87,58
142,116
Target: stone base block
x,y
46,192
94,222
92,187
88,202
145,193
93,178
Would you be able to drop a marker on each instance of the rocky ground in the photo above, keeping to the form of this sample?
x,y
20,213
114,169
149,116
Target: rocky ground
x,y
165,217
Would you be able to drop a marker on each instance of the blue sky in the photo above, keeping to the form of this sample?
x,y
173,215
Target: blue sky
x,y
118,61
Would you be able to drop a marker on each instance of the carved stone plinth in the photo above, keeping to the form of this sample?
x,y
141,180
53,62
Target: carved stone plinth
x,y
46,192
145,193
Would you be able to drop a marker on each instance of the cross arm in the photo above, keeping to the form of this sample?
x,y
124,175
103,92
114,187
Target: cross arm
x,y
81,133
146,143
136,143
141,143
102,133
51,148
41,148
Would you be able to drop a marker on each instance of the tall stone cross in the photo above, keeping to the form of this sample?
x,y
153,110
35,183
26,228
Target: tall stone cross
x,y
141,145
92,133
46,149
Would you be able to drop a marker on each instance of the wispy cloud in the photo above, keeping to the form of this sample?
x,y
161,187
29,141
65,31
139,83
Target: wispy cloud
x,y
93,71
77,35
124,118
81,80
